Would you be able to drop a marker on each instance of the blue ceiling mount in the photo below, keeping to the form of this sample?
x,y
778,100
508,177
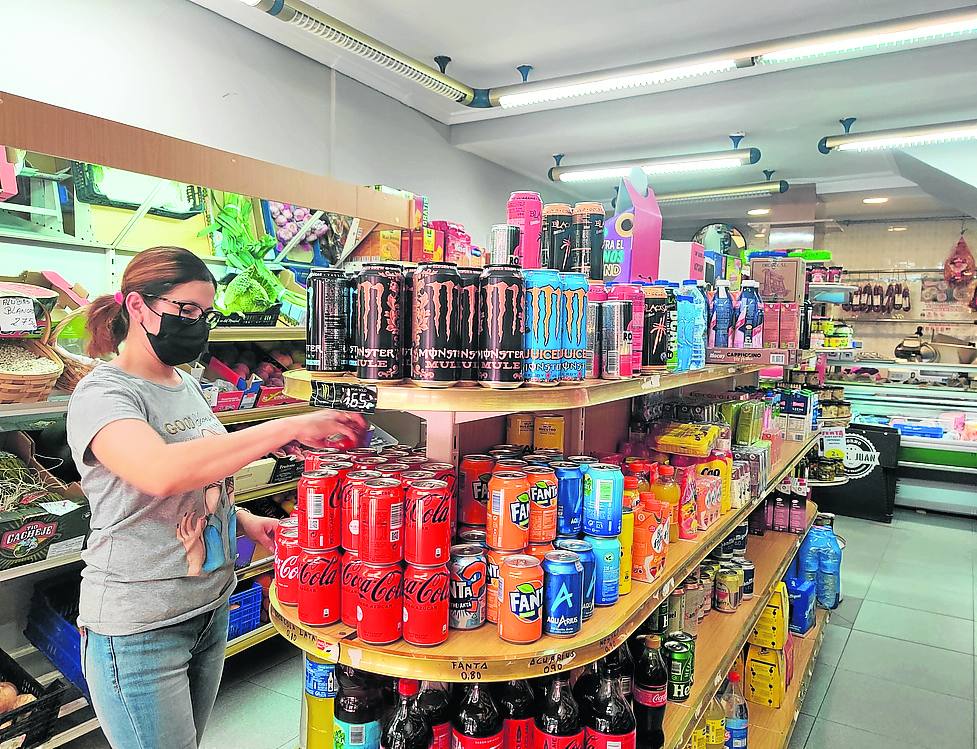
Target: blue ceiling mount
x,y
524,71
735,139
480,99
442,61
846,122
768,173
557,157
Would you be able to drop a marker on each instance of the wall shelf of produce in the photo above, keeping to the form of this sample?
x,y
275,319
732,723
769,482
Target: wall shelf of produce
x,y
481,656
722,636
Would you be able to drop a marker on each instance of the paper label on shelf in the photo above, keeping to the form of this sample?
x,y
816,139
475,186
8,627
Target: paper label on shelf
x,y
344,396
60,508
833,442
68,546
328,651
17,315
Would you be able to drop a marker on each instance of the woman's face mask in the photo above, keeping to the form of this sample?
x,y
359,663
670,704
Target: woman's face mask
x,y
180,340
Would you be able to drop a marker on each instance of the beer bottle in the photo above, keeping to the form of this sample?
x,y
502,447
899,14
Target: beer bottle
x,y
609,722
649,695
434,703
357,710
558,725
516,703
478,723
406,727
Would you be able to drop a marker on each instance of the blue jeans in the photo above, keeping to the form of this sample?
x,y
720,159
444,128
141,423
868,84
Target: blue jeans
x,y
155,690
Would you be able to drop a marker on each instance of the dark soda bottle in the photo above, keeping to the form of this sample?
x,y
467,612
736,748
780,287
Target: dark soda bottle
x,y
406,727
358,708
621,658
478,723
516,703
609,723
558,724
585,687
636,642
649,694
434,703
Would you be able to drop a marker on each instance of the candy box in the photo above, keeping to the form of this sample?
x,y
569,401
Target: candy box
x,y
766,676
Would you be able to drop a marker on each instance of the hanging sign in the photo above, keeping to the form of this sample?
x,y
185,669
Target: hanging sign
x,y
833,442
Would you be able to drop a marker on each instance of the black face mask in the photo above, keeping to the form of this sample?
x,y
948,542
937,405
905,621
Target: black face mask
x,y
178,341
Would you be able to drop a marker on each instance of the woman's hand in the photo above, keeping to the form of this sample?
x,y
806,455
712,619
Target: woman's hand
x,y
321,428
259,529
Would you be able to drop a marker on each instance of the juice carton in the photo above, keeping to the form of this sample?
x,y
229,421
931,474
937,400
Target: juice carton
x,y
688,527
790,325
708,492
650,547
771,325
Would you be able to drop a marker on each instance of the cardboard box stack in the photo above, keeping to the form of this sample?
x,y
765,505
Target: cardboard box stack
x,y
769,657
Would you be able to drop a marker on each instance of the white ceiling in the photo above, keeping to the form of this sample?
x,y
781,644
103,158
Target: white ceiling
x,y
784,113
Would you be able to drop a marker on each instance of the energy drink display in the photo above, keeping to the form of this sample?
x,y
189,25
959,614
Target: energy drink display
x,y
437,299
615,362
379,310
573,326
326,332
501,311
587,251
596,296
543,341
468,317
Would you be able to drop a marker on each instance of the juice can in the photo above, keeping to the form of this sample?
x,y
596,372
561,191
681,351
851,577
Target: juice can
x,y
603,498
548,431
521,599
466,602
494,558
607,556
507,516
542,503
563,581
543,340
569,497
626,540
588,560
474,474
519,429
573,324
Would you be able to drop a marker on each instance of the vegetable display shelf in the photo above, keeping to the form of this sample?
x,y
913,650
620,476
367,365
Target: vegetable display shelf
x,y
480,654
265,333
772,728
722,636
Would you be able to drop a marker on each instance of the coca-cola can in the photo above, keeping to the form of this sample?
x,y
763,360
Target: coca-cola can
x,y
350,587
381,516
379,615
415,460
426,604
319,587
315,458
368,462
287,564
319,516
349,507
361,451
427,523
393,470
448,472
409,477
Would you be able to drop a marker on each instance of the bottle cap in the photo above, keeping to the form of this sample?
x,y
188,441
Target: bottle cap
x,y
407,687
734,676
666,470
653,642
630,482
689,282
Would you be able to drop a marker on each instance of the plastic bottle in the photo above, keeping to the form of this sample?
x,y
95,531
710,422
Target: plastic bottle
x,y
698,315
749,318
715,725
406,727
558,722
358,708
666,489
477,721
649,697
829,571
737,713
722,318
688,322
434,703
808,561
516,703
608,720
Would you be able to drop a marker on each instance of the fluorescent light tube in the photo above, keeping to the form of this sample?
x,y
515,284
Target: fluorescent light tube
x,y
907,137
693,162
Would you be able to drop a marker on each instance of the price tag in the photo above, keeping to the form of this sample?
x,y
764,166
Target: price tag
x,y
17,315
344,396
833,442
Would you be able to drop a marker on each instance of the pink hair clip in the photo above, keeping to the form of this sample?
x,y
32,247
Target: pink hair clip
x,y
119,299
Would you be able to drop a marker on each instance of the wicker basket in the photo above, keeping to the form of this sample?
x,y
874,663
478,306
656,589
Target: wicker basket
x,y
28,388
74,367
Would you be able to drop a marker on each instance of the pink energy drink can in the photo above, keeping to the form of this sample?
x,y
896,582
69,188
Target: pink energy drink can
x,y
629,292
596,296
525,210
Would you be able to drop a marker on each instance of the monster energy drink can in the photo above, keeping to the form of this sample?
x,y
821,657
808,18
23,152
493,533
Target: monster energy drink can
x,y
351,358
557,237
543,340
379,308
587,252
502,295
326,319
434,331
468,326
573,324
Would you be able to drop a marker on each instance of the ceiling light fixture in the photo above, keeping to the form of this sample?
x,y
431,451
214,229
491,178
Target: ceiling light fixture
x,y
758,212
898,228
694,162
905,137
755,190
875,201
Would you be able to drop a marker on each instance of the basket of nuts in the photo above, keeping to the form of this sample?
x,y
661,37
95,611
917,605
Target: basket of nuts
x,y
29,368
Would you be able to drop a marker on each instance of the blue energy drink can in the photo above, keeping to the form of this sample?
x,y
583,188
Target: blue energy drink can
x,y
573,324
585,551
543,340
603,500
569,498
562,593
607,576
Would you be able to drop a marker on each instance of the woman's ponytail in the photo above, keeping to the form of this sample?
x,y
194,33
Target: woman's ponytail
x,y
107,324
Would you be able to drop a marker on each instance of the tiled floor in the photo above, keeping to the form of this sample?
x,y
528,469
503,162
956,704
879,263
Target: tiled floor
x,y
896,669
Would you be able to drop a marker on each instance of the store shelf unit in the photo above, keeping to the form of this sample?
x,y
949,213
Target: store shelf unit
x,y
256,568
242,643
722,636
45,564
480,654
265,491
266,333
772,728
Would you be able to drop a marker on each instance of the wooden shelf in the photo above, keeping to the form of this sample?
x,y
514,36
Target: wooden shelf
x,y
413,399
35,567
251,415
480,654
265,491
256,568
269,333
239,644
722,636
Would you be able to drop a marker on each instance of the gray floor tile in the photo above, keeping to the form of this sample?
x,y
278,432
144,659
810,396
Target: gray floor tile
x,y
829,735
247,716
897,710
286,678
847,612
933,522
950,597
855,582
934,669
257,659
292,743
802,730
912,625
818,688
833,644
913,576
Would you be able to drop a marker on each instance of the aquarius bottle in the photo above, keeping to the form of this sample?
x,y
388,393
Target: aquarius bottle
x,y
722,318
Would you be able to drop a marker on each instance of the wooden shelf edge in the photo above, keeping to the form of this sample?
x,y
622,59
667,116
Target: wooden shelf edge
x,y
265,491
267,333
35,567
265,413
250,639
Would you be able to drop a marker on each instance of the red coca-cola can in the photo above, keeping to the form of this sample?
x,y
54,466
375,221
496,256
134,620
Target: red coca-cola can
x,y
290,522
350,507
393,470
381,603
319,587
426,604
350,587
287,564
414,460
315,458
319,516
394,452
449,473
368,462
361,451
381,526
409,477
342,466
427,523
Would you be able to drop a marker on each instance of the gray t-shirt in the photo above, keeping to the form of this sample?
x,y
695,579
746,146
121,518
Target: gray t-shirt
x,y
151,561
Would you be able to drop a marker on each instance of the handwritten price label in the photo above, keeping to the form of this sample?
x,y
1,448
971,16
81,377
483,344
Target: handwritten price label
x,y
17,315
344,396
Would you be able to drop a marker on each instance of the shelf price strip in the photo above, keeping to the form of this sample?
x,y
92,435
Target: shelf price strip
x,y
344,396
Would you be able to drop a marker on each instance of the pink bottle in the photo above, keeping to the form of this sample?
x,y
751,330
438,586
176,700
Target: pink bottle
x,y
629,292
525,210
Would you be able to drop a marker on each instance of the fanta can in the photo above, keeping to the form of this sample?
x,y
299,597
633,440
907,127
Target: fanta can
x,y
521,599
507,514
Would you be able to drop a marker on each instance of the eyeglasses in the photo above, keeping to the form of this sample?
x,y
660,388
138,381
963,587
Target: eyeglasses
x,y
190,312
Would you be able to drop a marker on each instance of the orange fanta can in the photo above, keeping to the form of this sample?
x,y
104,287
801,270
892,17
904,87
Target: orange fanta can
x,y
507,514
521,599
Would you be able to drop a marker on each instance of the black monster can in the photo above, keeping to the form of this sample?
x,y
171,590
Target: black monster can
x,y
379,309
502,290
587,253
557,237
468,326
408,318
351,355
434,335
326,320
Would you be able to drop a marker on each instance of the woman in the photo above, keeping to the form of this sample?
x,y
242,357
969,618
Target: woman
x,y
157,468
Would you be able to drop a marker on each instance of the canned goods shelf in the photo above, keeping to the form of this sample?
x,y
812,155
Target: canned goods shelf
x,y
771,728
413,399
265,333
479,655
248,415
722,636
266,491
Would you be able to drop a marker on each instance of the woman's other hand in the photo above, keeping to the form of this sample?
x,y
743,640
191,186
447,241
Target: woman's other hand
x,y
259,529
321,428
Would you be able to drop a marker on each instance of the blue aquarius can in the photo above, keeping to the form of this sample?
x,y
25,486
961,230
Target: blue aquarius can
x,y
584,461
569,498
607,576
562,593
573,324
543,340
585,551
603,500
